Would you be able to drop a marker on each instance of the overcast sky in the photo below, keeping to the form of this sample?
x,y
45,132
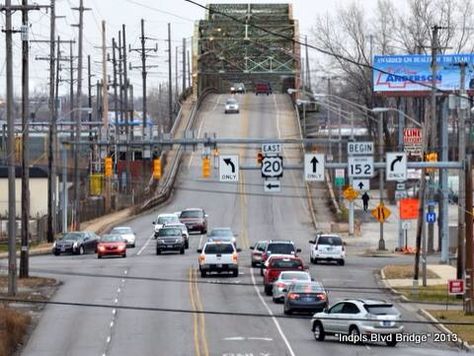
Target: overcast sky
x,y
157,13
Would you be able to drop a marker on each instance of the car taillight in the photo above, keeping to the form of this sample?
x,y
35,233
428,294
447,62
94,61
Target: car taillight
x,y
121,246
201,258
101,248
235,257
321,296
264,256
293,296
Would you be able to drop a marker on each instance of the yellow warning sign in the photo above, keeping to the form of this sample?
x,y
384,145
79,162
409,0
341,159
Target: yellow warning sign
x,y
381,213
350,193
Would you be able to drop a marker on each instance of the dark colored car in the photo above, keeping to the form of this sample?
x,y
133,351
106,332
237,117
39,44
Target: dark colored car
x,y
224,234
263,88
170,239
112,245
257,250
305,297
76,242
276,265
195,219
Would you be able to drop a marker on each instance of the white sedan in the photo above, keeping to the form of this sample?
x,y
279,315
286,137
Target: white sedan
x,y
284,280
127,234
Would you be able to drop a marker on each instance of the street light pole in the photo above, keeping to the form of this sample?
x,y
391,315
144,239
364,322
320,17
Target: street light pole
x,y
381,181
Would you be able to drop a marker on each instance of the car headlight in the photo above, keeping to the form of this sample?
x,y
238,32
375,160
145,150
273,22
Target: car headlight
x,y
74,245
232,88
54,244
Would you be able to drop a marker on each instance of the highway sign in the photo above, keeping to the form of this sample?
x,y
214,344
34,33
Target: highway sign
x,y
455,286
229,168
271,148
361,166
361,184
409,208
400,194
272,186
272,167
360,148
350,193
396,166
340,177
431,217
406,225
381,213
314,167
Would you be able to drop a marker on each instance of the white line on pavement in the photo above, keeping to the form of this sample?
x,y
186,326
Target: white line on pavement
x,y
108,339
114,311
144,246
116,300
275,321
111,324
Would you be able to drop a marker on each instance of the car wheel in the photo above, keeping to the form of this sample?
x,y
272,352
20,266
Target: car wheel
x,y
311,259
158,252
133,246
287,311
203,274
341,262
261,271
99,256
275,300
56,253
181,252
315,261
81,250
268,290
392,341
254,264
124,255
355,333
318,331
186,245
235,273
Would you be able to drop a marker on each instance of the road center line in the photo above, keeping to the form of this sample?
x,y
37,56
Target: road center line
x,y
275,321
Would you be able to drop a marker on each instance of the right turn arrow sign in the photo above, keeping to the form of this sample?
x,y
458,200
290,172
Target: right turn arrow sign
x,y
396,166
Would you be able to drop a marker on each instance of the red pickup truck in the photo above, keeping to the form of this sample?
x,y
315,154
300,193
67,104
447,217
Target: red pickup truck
x,y
275,265
263,88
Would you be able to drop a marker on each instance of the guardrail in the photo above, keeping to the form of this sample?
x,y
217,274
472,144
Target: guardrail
x,y
170,179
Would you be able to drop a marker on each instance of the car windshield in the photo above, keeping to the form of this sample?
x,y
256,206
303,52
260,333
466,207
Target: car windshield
x,y
231,101
381,309
73,236
170,232
297,276
261,246
122,230
192,214
167,219
286,263
111,238
307,288
330,240
283,249
219,248
221,233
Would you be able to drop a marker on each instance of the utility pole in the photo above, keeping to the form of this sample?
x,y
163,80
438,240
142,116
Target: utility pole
x,y
25,170
105,112
308,74
126,107
176,74
71,82
188,62
170,89
184,64
89,103
144,108
115,84
462,115
469,291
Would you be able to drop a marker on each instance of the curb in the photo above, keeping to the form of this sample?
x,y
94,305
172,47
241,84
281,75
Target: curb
x,y
387,285
460,342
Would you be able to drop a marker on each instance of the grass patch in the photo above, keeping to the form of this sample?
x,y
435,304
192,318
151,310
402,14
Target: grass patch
x,y
434,293
465,332
27,283
33,245
404,272
13,326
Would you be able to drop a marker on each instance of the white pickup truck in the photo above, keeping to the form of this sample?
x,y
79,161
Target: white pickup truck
x,y
218,257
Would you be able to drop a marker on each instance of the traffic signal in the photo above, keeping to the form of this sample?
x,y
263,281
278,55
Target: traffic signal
x,y
157,168
206,167
108,171
259,157
431,157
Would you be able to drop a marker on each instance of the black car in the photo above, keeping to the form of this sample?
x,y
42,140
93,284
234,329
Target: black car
x,y
170,239
76,242
305,297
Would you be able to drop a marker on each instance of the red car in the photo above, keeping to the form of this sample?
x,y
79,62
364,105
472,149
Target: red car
x,y
195,219
275,265
112,245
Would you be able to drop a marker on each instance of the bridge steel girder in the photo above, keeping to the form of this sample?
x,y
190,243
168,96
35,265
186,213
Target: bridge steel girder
x,y
228,51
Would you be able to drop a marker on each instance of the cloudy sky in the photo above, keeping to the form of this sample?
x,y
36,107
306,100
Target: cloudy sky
x,y
180,13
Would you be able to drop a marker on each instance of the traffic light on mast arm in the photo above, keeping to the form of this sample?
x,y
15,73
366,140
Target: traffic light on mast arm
x,y
206,167
108,167
156,168
431,157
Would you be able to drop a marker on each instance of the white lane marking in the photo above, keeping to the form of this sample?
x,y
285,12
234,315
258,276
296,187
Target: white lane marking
x,y
235,338
125,272
200,241
111,324
116,300
277,118
123,281
260,338
200,127
108,339
114,311
145,245
119,290
275,321
368,347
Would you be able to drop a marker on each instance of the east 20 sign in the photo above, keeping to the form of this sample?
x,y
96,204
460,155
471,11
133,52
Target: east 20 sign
x,y
412,73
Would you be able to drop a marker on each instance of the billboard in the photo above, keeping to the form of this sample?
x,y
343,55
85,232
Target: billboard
x,y
412,73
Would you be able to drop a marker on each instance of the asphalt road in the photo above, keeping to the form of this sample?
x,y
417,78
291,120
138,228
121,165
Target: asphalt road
x,y
142,305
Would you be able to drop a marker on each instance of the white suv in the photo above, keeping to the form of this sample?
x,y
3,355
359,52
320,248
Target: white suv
x,y
327,248
218,257
162,220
